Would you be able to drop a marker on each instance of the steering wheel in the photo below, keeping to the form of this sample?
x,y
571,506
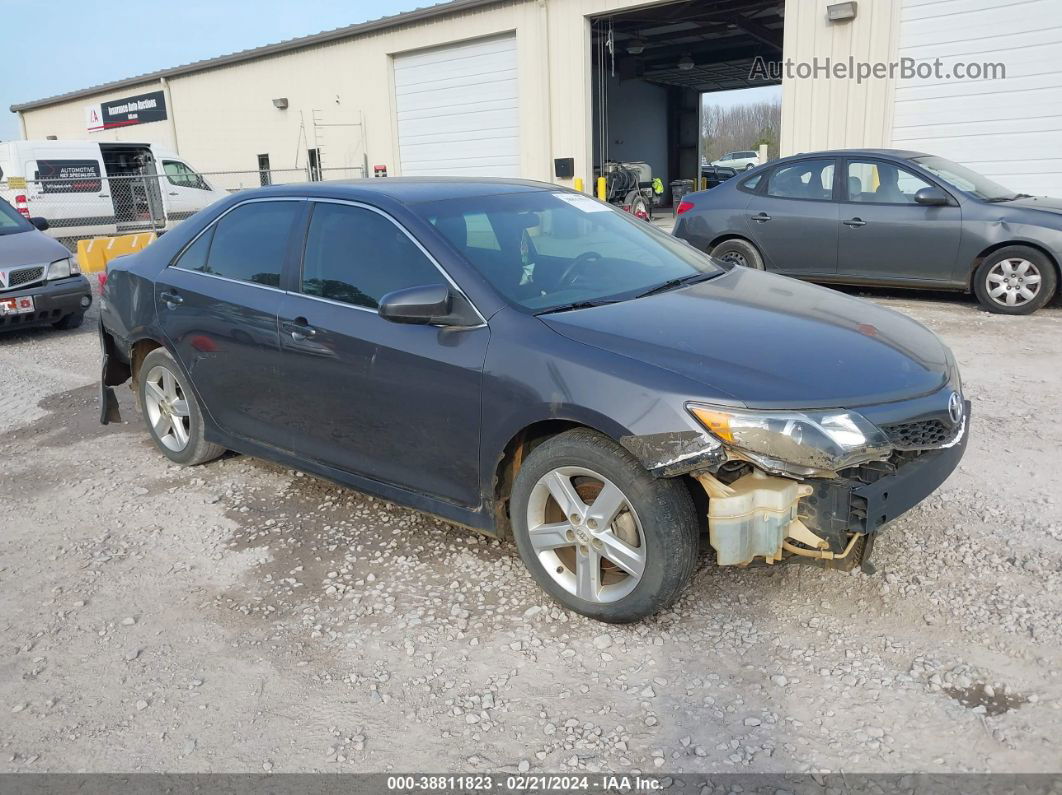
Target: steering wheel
x,y
571,271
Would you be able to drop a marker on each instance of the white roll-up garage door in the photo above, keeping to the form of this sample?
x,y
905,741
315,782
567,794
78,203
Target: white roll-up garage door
x,y
458,110
1007,129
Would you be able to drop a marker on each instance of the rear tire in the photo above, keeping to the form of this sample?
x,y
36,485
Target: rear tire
x,y
171,411
739,252
615,564
1016,280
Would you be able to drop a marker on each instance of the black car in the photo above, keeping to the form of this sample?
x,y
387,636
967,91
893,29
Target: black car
x,y
530,362
40,283
884,217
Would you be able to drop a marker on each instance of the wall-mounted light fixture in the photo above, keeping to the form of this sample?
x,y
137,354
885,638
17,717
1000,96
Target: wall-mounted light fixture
x,y
636,46
686,63
280,103
841,12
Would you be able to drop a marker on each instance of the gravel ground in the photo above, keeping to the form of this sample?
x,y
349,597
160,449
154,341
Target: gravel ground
x,y
244,617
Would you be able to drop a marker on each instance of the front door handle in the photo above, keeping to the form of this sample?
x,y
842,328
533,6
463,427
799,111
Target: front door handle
x,y
299,329
761,217
171,299
854,222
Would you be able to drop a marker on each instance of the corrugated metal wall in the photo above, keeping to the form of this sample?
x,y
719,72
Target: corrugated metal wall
x,y
1009,130
827,112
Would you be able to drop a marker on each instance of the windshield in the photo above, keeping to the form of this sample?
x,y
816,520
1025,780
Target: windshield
x,y
545,251
964,179
10,221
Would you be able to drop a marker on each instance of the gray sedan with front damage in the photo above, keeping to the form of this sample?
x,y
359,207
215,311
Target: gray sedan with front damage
x,y
535,364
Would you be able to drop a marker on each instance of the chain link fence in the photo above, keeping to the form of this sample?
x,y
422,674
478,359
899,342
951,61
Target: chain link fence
x,y
89,205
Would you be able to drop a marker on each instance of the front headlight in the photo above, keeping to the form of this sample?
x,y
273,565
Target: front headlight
x,y
62,268
799,442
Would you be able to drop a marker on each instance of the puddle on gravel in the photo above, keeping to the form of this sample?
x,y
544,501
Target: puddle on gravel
x,y
977,695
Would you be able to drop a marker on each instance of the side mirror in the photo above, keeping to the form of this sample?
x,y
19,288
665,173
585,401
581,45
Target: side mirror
x,y
931,197
428,305
39,222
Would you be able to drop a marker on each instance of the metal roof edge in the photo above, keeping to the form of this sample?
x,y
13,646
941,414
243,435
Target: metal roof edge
x,y
371,26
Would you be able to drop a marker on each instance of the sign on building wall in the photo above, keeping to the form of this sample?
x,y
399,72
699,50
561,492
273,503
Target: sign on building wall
x,y
139,109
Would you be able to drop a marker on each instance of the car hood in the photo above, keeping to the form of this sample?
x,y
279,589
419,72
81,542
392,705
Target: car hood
x,y
769,341
29,248
1044,203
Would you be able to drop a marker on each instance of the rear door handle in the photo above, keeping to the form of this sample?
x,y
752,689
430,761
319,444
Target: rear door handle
x,y
761,217
171,299
299,328
854,222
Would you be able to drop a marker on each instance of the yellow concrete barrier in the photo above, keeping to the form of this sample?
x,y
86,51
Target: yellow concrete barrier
x,y
93,255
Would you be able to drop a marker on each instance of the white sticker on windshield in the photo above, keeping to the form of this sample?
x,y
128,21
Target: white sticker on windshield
x,y
584,203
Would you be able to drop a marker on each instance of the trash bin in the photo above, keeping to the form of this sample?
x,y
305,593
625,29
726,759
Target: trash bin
x,y
679,188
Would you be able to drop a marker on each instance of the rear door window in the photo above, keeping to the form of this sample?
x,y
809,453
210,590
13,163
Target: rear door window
x,y
805,179
248,244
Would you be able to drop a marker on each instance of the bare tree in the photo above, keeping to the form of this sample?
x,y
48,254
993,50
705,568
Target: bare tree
x,y
739,127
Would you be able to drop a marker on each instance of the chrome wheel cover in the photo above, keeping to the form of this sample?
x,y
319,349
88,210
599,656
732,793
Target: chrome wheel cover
x,y
1013,281
167,409
586,534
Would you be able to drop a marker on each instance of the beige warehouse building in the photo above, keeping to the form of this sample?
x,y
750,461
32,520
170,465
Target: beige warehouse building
x,y
550,89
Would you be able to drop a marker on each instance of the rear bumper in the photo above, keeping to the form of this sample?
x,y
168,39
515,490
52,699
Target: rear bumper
x,y
52,302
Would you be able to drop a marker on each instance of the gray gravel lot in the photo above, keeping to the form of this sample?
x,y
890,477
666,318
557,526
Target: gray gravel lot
x,y
243,617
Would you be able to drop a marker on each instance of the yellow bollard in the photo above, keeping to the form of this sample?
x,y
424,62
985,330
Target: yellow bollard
x,y
577,183
601,193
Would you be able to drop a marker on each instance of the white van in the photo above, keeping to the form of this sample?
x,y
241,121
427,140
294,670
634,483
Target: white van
x,y
84,188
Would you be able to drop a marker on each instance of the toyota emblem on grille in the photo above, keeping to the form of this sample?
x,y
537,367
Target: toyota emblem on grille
x,y
955,408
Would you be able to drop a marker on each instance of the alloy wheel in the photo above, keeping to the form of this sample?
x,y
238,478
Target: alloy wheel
x,y
167,408
586,534
1013,281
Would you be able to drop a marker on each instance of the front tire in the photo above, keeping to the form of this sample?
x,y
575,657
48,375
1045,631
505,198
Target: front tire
x,y
171,411
1016,280
739,252
600,534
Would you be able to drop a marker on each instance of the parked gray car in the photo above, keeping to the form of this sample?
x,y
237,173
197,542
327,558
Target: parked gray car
x,y
40,282
884,217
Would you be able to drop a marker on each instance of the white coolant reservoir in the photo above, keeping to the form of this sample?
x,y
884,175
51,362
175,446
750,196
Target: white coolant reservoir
x,y
750,517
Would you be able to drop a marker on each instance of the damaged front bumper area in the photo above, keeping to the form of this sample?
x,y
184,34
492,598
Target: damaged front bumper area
x,y
754,515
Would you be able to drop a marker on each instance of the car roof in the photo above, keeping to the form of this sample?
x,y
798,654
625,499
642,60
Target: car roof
x,y
407,190
899,154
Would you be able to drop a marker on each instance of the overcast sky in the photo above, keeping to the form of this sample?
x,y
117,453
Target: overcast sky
x,y
64,45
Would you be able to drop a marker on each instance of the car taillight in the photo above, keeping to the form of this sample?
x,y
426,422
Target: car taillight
x,y
21,205
101,278
684,207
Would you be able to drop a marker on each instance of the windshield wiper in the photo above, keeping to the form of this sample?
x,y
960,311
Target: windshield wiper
x,y
576,305
681,281
996,199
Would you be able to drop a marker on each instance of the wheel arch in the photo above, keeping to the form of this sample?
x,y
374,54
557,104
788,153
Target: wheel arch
x,y
992,249
719,239
512,456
